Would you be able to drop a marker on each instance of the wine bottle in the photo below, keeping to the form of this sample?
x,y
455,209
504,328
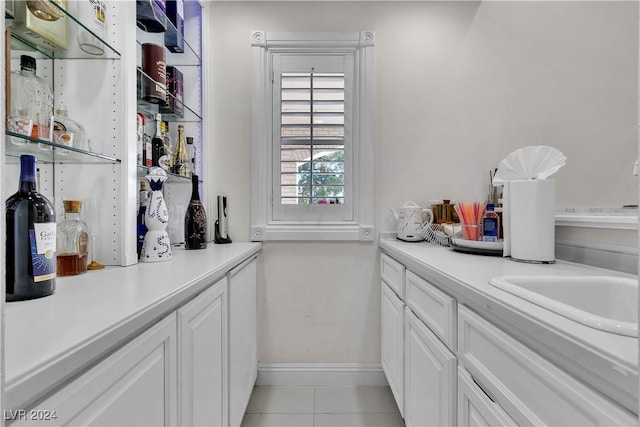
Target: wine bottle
x,y
142,210
195,220
157,145
31,238
181,164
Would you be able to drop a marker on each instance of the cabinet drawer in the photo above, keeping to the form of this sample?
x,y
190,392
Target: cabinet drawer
x,y
475,407
435,308
530,389
392,272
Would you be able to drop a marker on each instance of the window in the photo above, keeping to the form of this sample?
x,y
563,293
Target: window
x,y
312,147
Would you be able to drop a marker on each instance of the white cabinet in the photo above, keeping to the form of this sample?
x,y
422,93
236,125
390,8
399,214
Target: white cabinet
x,y
430,377
530,389
202,358
243,357
475,407
135,386
392,343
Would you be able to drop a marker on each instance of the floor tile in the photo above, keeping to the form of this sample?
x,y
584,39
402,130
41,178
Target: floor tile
x,y
359,420
369,399
281,400
277,420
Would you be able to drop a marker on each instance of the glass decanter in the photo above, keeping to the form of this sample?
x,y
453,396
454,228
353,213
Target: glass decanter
x,y
72,241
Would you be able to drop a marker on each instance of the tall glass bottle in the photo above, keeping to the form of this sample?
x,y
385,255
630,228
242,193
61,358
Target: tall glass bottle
x,y
181,164
72,241
30,94
142,210
31,238
195,220
158,153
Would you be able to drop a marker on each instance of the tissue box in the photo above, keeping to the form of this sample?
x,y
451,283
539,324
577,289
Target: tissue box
x,y
532,205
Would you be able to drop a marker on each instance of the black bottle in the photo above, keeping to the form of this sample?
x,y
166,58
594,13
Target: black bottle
x,y
31,238
195,220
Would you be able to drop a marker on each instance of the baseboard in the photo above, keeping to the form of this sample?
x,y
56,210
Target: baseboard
x,y
612,257
321,374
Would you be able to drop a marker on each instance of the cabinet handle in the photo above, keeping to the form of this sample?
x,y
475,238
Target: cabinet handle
x,y
482,388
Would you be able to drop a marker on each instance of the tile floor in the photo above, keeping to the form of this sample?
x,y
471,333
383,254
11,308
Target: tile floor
x,y
305,406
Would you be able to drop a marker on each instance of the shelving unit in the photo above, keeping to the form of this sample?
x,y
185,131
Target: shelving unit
x,y
177,190
94,88
100,93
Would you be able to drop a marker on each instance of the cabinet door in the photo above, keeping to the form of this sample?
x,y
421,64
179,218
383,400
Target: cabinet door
x,y
392,343
135,386
243,340
430,377
475,407
202,358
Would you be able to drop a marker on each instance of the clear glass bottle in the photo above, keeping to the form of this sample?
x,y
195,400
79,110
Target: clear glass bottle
x,y
93,14
72,241
168,146
181,164
30,94
490,224
67,131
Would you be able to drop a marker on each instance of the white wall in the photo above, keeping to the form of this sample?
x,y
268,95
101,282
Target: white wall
x,y
459,86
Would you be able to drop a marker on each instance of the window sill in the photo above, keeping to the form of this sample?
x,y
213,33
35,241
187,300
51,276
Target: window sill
x,y
300,232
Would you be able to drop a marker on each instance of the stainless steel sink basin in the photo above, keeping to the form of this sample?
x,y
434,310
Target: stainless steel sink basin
x,y
601,302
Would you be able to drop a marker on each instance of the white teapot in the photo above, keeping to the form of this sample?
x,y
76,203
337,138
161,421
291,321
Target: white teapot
x,y
411,221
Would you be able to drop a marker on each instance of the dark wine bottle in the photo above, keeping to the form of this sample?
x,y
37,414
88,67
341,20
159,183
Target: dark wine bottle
x,y
141,226
158,153
195,220
31,238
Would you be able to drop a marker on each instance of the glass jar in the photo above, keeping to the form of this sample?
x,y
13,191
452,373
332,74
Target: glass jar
x,y
72,240
67,131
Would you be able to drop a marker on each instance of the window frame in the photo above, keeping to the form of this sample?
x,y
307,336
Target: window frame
x,y
360,226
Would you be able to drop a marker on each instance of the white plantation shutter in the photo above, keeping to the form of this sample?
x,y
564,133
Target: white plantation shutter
x,y
312,136
312,103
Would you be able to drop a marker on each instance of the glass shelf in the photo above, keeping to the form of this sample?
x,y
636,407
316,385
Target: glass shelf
x,y
171,177
149,109
187,58
55,153
20,43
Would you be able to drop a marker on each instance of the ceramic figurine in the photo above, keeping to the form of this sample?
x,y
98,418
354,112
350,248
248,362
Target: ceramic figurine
x,y
156,246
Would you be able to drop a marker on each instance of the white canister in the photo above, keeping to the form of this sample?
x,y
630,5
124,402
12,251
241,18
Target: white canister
x,y
532,206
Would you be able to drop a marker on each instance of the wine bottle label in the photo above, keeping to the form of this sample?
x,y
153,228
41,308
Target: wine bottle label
x,y
43,251
83,244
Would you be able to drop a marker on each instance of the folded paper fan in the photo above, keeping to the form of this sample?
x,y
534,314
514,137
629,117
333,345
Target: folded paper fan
x,y
532,162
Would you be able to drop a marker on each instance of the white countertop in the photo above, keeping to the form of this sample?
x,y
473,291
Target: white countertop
x,y
606,361
49,340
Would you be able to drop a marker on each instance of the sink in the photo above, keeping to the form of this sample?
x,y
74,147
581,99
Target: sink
x,y
601,302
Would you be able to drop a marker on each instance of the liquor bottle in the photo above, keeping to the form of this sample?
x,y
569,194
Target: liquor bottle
x,y
168,147
30,94
31,238
157,144
191,153
67,131
141,121
93,13
141,226
181,162
490,224
195,220
72,240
